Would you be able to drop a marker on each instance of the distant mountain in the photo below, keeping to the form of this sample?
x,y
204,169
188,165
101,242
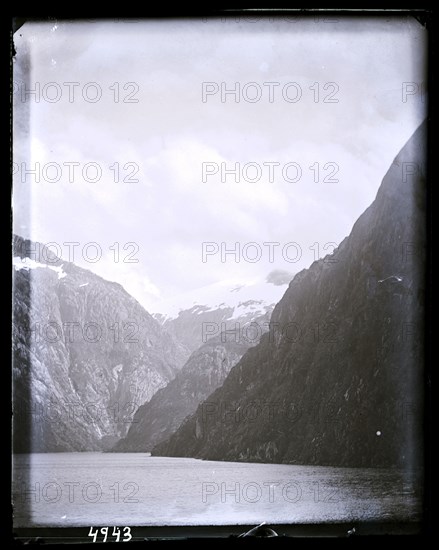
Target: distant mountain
x,y
225,305
337,380
86,355
205,370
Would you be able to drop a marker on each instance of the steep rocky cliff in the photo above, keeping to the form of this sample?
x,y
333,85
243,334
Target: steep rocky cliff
x,y
337,380
205,371
86,355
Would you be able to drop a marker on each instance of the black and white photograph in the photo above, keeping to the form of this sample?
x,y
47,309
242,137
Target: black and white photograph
x,y
219,274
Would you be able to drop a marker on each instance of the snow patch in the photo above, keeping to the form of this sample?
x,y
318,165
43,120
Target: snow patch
x,y
253,307
393,278
27,263
116,370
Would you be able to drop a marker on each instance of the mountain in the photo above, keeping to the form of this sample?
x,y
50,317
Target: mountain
x,y
218,307
86,355
338,378
205,370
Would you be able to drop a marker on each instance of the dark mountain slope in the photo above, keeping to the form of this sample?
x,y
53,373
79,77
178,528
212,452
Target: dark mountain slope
x,y
337,380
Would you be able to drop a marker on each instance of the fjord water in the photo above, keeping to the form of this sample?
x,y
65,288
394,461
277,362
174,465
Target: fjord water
x,y
84,489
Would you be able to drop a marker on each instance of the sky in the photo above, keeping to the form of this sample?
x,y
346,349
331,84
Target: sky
x,y
152,152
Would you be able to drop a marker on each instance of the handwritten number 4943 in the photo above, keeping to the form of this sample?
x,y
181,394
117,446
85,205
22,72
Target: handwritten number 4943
x,y
126,535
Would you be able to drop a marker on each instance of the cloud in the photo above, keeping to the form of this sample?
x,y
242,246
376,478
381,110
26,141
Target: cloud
x,y
169,212
279,277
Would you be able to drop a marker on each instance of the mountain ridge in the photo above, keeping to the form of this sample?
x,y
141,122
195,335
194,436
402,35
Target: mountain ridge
x,y
204,371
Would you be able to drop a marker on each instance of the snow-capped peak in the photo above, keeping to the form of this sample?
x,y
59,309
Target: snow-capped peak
x,y
254,297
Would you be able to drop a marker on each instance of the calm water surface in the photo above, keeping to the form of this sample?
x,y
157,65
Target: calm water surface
x,y
82,489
